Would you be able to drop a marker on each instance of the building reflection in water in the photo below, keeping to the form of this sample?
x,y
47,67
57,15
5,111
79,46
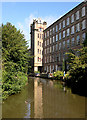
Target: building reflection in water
x,y
38,108
50,101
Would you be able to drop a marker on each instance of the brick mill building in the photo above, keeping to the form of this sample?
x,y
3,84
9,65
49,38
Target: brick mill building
x,y
66,33
36,32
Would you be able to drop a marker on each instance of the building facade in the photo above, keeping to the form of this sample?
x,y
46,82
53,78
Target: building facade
x,y
36,32
66,33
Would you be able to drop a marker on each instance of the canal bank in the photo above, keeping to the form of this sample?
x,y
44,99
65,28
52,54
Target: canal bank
x,y
77,87
43,98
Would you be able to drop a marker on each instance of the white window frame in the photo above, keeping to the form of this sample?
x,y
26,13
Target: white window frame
x,y
56,28
63,23
68,30
68,21
59,26
77,27
56,37
72,29
72,18
83,24
77,15
53,39
64,34
59,46
83,11
68,43
60,36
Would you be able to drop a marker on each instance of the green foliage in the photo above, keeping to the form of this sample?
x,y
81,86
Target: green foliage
x,y
36,71
76,76
15,60
58,75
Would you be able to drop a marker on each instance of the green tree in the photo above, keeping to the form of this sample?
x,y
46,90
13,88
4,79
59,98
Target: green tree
x,y
15,59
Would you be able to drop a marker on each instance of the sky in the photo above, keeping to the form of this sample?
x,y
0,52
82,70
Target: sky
x,y
21,14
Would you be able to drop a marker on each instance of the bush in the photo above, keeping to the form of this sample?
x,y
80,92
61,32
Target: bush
x,y
12,84
58,75
36,71
76,79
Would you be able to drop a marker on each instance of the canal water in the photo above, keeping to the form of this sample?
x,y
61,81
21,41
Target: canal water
x,y
43,98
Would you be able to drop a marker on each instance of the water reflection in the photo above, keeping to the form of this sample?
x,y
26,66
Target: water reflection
x,y
44,99
38,108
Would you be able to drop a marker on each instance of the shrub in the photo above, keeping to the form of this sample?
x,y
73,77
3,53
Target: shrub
x,y
36,71
58,75
12,84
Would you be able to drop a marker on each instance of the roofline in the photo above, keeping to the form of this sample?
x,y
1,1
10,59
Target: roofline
x,y
65,15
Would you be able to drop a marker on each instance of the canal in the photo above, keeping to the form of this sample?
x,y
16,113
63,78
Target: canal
x,y
43,98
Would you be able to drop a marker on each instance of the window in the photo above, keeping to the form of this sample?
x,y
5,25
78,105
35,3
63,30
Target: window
x,y
83,11
78,40
38,51
42,36
72,18
63,23
56,67
50,49
53,58
77,15
59,57
56,37
40,29
53,30
50,68
38,42
59,36
50,40
83,24
56,47
45,35
53,48
38,59
72,30
77,27
64,56
68,32
38,35
68,43
56,28
50,31
45,43
83,37
47,68
72,41
68,21
45,51
45,60
53,39
59,46
50,58
63,33
63,44
59,26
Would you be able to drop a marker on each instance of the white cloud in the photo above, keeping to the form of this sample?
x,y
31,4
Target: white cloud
x,y
25,26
